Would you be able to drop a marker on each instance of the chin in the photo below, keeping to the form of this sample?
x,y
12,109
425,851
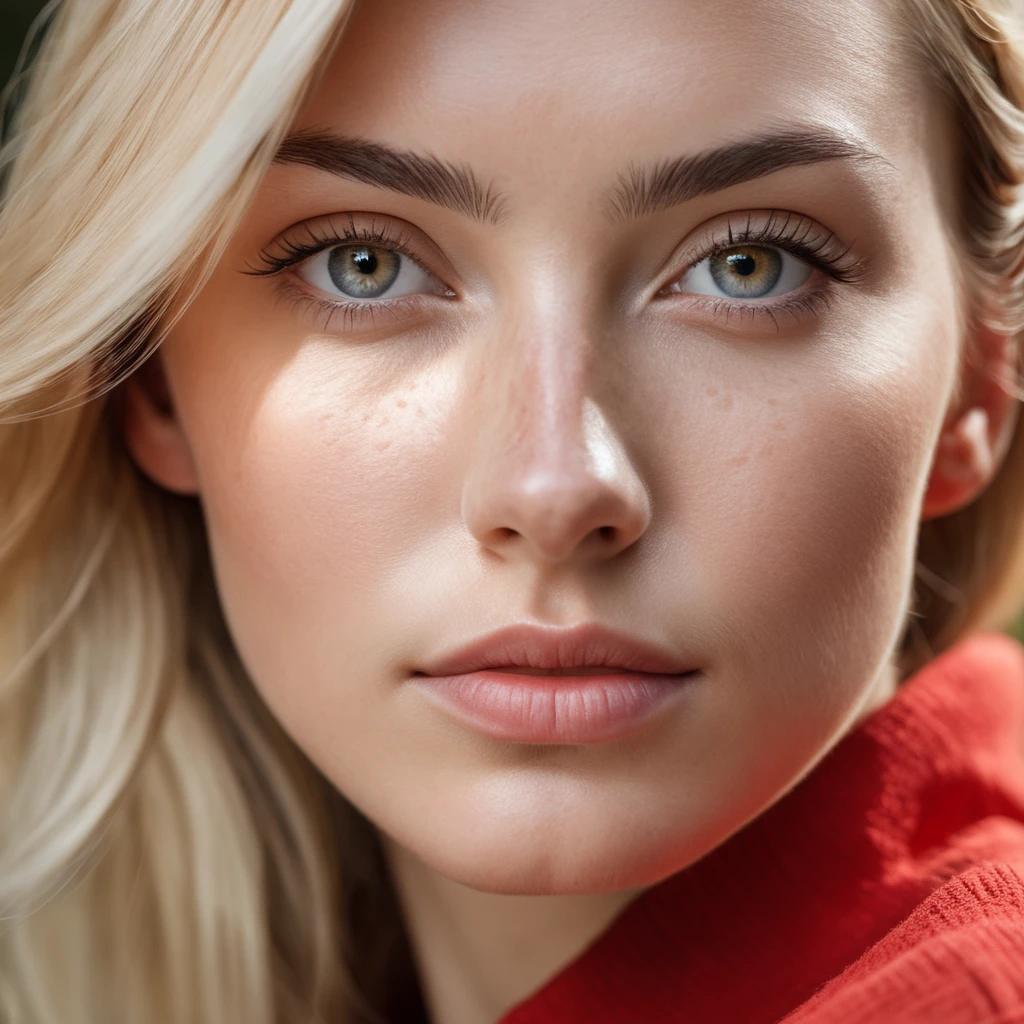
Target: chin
x,y
551,858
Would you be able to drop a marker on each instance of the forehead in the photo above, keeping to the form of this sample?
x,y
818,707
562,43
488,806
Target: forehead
x,y
503,83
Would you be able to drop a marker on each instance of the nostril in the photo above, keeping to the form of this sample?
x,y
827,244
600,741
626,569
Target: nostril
x,y
608,532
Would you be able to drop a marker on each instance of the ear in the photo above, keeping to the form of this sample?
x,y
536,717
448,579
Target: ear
x,y
979,425
152,430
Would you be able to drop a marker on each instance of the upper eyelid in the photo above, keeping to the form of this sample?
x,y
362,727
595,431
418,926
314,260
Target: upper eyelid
x,y
768,229
399,240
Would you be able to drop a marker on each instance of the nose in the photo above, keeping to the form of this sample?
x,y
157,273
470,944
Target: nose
x,y
550,480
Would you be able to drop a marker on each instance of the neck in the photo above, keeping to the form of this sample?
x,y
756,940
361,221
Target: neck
x,y
479,953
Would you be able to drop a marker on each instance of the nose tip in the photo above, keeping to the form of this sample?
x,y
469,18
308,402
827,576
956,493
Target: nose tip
x,y
555,519
571,493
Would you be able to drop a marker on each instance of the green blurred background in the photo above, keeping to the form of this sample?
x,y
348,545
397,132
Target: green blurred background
x,y
15,18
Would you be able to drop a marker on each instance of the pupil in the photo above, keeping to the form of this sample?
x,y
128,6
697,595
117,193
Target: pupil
x,y
742,264
748,273
363,271
365,261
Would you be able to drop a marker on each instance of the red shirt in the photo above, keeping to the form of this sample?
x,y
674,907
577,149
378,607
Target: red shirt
x,y
888,885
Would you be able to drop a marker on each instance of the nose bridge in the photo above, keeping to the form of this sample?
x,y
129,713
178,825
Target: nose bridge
x,y
544,352
536,406
548,478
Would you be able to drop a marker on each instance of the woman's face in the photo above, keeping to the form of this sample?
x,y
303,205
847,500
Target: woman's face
x,y
638,322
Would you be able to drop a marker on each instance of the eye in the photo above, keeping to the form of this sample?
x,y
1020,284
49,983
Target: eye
x,y
364,272
745,272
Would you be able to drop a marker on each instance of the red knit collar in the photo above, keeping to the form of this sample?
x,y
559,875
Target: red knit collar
x,y
801,891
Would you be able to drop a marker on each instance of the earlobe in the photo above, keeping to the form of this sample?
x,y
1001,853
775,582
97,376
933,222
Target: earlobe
x,y
152,430
975,438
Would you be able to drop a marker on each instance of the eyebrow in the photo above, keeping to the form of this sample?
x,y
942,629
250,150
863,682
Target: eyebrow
x,y
413,174
645,190
640,191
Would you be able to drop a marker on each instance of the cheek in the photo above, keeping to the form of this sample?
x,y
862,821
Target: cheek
x,y
804,507
316,493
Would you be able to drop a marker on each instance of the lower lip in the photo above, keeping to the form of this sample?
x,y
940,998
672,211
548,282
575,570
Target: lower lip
x,y
556,709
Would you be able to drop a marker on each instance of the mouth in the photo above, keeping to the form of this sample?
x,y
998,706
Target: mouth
x,y
583,685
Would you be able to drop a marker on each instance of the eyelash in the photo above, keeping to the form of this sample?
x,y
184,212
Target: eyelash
x,y
294,253
792,240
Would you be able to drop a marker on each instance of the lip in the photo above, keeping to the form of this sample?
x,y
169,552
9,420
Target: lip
x,y
552,647
483,684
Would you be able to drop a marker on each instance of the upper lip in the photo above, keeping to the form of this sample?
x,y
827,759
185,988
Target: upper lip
x,y
552,647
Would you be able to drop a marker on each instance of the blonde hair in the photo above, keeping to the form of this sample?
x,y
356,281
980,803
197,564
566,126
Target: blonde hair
x,y
166,853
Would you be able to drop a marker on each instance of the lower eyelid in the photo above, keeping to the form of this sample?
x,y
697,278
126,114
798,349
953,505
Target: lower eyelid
x,y
352,312
790,307
795,307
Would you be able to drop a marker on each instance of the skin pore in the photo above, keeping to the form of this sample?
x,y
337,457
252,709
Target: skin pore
x,y
551,418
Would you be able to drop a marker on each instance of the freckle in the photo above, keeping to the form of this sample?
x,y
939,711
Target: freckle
x,y
773,401
384,421
778,425
767,450
383,445
413,387
726,402
739,460
712,392
366,416
401,403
